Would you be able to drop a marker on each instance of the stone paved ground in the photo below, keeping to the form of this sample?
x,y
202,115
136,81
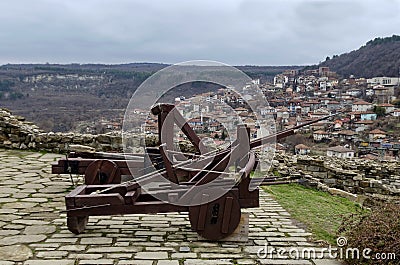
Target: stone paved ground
x,y
33,231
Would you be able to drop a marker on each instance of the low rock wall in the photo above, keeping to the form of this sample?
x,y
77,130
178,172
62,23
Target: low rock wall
x,y
16,133
374,179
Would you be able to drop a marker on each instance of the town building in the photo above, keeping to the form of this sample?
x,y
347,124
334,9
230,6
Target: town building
x,y
340,152
376,134
361,106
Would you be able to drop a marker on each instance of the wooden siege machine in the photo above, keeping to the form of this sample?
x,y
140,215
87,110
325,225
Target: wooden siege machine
x,y
191,180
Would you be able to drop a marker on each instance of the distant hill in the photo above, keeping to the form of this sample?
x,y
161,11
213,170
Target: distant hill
x,y
58,96
378,57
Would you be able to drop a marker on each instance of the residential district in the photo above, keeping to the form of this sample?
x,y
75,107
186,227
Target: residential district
x,y
366,125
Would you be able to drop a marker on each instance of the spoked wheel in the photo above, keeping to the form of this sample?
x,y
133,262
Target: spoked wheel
x,y
217,219
102,172
77,224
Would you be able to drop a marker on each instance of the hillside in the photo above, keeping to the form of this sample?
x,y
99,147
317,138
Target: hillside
x,y
378,57
58,97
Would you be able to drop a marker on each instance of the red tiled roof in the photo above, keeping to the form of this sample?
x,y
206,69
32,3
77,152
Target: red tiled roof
x,y
362,102
347,132
377,131
360,112
301,146
379,88
340,149
320,132
317,124
364,122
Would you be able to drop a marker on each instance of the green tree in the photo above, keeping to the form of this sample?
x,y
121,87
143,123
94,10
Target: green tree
x,y
223,135
380,111
396,103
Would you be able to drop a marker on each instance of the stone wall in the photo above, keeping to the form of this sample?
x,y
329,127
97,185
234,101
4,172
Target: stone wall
x,y
374,179
16,133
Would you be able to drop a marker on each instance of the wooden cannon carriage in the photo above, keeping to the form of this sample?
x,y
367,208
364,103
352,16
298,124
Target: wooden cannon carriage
x,y
212,186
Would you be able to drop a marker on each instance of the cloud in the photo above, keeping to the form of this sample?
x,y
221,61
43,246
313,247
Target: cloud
x,y
232,31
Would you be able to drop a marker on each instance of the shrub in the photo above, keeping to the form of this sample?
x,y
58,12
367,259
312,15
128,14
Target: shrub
x,y
378,230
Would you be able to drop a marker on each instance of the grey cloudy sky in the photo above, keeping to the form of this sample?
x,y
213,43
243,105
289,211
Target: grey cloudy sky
x,y
263,32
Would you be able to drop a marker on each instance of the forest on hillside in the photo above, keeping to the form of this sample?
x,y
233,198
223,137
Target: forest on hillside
x,y
378,57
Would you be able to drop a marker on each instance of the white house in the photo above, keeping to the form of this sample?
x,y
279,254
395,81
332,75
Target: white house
x,y
340,151
333,105
346,135
267,110
302,149
377,134
280,81
354,92
320,135
396,113
361,106
363,125
305,108
384,81
388,107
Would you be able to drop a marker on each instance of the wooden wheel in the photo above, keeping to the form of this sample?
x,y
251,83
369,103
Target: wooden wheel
x,y
217,219
77,224
102,172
